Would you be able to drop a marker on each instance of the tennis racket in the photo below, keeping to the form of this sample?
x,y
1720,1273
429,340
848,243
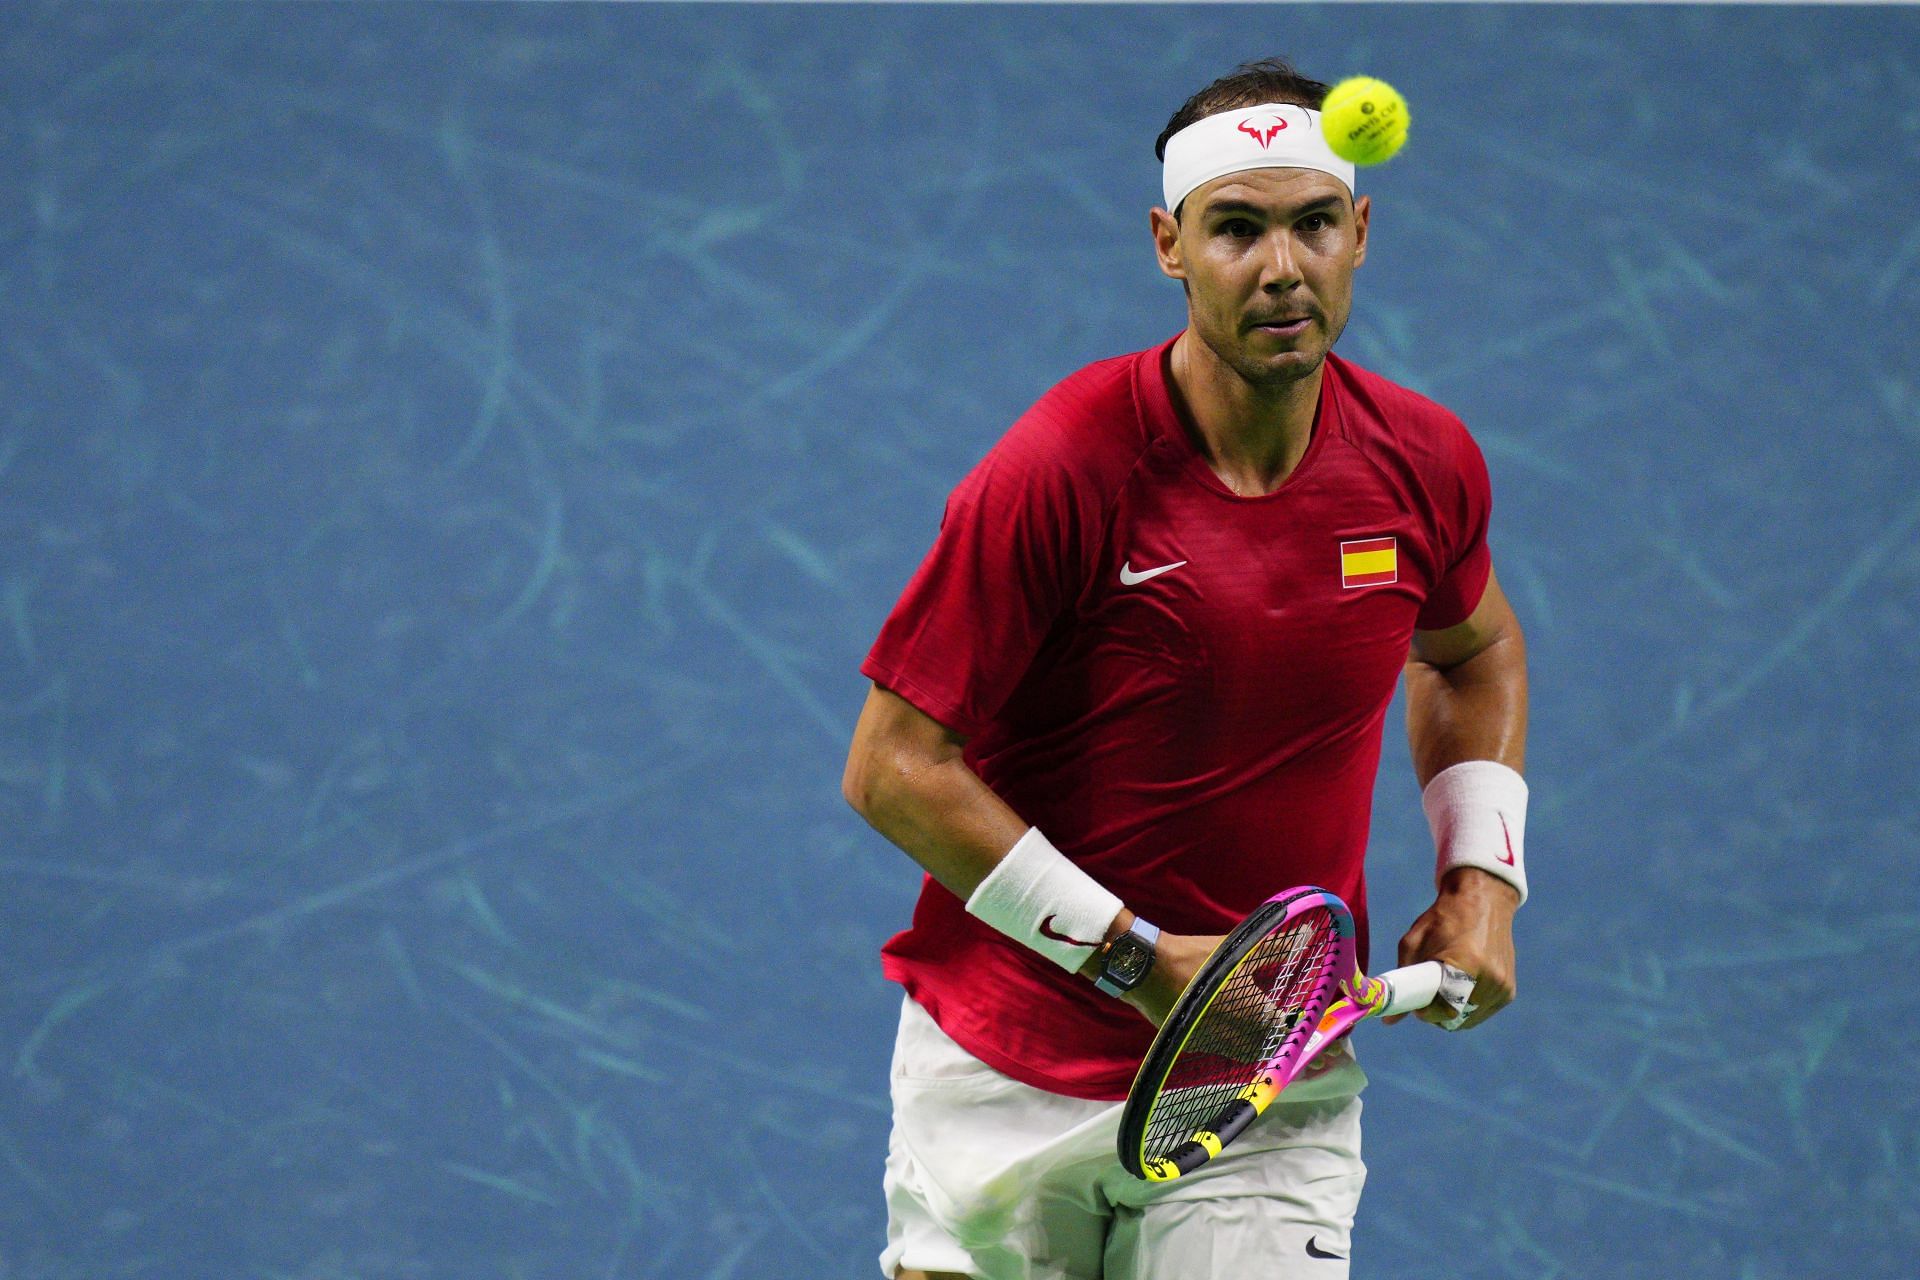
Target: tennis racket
x,y
1276,992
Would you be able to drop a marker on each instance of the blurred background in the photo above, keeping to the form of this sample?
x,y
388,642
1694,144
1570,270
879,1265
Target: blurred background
x,y
454,458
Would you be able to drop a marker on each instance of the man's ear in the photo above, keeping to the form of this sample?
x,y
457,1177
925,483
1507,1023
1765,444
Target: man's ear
x,y
1166,243
1362,212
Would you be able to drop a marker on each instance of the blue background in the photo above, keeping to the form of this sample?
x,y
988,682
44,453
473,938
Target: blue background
x,y
453,459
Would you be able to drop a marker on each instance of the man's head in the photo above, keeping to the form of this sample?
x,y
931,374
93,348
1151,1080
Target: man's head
x,y
1262,243
1249,85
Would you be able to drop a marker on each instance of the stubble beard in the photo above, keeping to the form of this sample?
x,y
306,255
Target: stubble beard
x,y
1272,377
1260,374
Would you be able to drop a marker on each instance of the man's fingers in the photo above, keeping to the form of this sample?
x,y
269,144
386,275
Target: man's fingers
x,y
1439,1013
1489,997
1501,999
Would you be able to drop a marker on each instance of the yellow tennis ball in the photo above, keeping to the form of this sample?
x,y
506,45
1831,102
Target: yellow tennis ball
x,y
1365,120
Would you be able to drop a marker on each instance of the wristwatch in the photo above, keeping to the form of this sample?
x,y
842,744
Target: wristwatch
x,y
1128,959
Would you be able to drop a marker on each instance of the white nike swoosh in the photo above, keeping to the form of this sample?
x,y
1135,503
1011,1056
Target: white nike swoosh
x,y
1129,578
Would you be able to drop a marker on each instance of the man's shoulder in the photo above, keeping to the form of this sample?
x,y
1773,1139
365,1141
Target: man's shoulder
x,y
1096,396
1386,407
1089,422
1388,421
1422,449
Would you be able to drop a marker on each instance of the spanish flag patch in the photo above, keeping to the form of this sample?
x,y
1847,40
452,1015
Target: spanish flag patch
x,y
1369,562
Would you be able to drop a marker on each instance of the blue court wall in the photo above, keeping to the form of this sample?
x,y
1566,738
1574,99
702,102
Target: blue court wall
x,y
454,458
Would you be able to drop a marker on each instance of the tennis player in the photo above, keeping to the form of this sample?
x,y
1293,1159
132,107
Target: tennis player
x,y
1138,685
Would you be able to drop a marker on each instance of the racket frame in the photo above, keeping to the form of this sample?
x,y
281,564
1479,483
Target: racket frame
x,y
1325,1015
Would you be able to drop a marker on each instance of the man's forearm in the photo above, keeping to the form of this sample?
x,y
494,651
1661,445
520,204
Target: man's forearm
x,y
954,825
1475,710
946,819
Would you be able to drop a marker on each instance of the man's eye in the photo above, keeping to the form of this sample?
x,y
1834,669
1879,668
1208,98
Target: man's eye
x,y
1320,218
1238,226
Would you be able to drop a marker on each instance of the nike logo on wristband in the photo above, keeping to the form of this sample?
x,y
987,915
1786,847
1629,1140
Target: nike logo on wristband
x,y
1048,931
1315,1251
1129,578
1508,836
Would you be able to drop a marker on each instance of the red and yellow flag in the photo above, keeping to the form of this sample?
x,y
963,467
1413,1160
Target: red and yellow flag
x,y
1369,562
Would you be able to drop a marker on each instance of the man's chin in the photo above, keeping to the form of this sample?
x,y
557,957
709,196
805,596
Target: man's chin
x,y
1279,368
1261,362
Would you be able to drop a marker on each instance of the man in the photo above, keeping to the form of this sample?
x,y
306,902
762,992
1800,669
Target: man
x,y
1162,623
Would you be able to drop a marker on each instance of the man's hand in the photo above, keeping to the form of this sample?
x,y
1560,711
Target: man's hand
x,y
1470,926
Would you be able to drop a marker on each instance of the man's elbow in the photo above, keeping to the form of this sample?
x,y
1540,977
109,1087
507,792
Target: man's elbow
x,y
897,750
872,765
856,784
882,779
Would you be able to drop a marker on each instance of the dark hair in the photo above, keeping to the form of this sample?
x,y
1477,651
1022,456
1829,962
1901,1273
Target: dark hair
x,y
1248,85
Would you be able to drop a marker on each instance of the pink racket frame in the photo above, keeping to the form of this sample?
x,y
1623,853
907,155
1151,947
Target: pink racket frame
x,y
1345,997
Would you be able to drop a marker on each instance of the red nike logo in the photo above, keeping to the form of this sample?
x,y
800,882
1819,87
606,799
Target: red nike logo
x,y
1048,931
1508,836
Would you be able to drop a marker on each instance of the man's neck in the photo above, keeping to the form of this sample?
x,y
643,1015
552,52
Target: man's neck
x,y
1252,437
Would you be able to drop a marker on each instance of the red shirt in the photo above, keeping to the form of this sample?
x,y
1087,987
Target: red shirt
x,y
1196,737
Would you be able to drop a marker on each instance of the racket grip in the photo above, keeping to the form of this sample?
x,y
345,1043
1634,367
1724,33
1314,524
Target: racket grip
x,y
1413,988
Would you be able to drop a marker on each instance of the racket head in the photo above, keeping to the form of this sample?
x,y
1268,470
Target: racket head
x,y
1237,1034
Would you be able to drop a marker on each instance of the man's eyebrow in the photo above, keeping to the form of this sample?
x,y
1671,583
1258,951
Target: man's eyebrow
x,y
1247,206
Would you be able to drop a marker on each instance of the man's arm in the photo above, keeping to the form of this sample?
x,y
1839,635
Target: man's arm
x,y
906,777
1467,700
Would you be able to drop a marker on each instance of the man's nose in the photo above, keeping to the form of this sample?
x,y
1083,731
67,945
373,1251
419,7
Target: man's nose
x,y
1280,267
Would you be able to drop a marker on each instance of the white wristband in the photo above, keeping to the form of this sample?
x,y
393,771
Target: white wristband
x,y
1478,812
1036,896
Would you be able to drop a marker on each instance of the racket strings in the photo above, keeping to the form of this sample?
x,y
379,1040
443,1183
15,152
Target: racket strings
x,y
1258,1009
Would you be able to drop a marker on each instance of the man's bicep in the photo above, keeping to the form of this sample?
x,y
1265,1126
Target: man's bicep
x,y
1492,620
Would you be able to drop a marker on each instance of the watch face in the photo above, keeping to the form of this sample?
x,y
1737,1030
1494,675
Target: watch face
x,y
1128,960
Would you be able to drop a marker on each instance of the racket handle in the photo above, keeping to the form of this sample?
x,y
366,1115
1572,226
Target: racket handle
x,y
1413,988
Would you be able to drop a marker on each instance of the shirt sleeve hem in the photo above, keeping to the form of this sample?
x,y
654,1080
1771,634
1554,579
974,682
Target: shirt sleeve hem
x,y
921,697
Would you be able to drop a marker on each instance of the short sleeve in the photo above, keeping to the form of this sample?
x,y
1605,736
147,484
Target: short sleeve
x,y
1009,559
1463,504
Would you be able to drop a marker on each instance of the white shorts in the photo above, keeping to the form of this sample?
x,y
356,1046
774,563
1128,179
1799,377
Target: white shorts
x,y
992,1178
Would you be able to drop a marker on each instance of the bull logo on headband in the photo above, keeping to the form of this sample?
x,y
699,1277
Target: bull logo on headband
x,y
1263,135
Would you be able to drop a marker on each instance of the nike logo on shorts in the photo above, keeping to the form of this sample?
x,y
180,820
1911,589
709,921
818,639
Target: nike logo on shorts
x,y
1128,578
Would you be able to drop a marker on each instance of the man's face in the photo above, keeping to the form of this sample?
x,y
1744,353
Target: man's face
x,y
1263,246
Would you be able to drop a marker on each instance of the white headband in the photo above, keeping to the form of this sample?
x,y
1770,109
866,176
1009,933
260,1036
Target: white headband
x,y
1274,135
